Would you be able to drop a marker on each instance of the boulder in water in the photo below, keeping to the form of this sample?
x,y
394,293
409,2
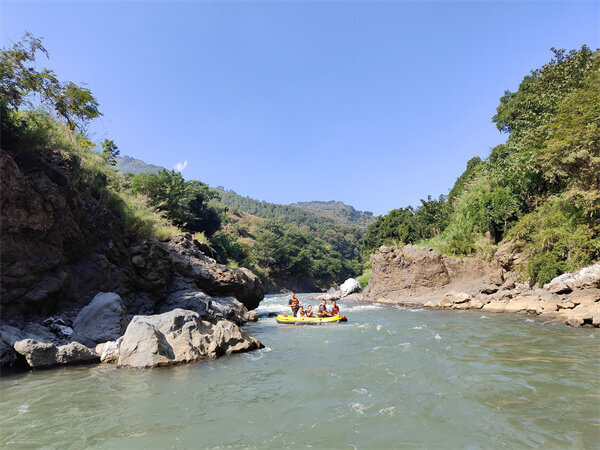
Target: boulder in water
x,y
350,286
179,336
45,354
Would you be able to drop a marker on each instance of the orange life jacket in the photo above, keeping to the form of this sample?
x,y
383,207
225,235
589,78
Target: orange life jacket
x,y
309,314
335,310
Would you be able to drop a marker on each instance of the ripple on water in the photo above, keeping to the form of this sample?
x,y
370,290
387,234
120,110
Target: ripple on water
x,y
503,382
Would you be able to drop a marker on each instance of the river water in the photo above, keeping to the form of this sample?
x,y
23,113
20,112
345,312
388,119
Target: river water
x,y
390,377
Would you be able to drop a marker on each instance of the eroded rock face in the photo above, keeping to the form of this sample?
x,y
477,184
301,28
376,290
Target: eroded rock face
x,y
179,336
101,321
416,272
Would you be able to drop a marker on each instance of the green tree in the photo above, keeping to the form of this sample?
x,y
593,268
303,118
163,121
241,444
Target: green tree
x,y
110,151
185,202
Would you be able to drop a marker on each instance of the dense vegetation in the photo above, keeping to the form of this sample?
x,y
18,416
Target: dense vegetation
x,y
540,191
39,111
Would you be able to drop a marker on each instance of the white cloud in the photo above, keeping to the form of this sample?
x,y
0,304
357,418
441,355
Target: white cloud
x,y
180,166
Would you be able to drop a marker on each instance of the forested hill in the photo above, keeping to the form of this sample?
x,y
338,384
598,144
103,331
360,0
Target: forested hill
x,y
535,198
338,211
127,164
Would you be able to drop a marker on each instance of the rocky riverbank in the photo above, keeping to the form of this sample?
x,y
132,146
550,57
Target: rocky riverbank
x,y
73,278
418,276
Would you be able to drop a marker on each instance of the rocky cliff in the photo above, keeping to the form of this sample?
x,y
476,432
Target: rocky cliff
x,y
62,244
417,274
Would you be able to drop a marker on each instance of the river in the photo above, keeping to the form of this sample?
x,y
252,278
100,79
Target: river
x,y
390,377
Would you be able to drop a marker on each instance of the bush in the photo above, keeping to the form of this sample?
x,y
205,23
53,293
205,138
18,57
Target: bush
x,y
363,280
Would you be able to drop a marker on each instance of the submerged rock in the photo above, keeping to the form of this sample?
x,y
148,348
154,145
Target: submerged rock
x,y
179,336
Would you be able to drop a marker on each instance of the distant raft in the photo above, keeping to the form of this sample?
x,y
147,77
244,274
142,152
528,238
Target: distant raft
x,y
285,318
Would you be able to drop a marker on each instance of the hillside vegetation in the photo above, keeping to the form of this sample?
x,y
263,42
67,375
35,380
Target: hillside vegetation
x,y
539,192
282,246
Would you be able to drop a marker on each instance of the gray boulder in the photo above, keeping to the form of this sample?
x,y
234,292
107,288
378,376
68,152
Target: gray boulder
x,y
101,321
350,286
179,336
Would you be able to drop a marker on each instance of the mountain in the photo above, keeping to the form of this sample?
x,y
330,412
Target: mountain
x,y
127,164
338,211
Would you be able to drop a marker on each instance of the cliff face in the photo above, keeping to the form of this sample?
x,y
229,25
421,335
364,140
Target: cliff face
x,y
60,247
418,274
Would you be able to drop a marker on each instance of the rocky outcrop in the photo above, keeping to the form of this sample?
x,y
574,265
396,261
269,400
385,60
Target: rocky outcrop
x,y
570,298
101,321
62,244
179,336
350,286
420,274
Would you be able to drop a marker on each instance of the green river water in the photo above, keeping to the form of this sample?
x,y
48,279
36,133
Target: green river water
x,y
390,377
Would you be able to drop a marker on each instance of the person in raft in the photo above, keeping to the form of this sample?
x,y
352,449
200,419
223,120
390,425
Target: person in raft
x,y
301,312
309,312
294,303
323,309
335,310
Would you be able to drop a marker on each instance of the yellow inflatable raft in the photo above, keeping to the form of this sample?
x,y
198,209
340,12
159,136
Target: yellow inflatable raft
x,y
285,318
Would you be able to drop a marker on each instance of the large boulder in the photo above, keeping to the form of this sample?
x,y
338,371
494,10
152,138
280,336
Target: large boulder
x,y
179,336
350,286
101,321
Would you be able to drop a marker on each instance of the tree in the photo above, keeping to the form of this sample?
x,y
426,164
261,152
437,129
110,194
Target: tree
x,y
21,83
185,202
110,151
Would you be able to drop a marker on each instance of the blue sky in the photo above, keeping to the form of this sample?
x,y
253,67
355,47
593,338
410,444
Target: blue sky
x,y
376,103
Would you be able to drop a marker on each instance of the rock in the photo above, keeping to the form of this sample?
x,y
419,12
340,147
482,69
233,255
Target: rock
x,y
10,335
212,278
37,354
582,315
428,305
75,353
417,272
350,286
489,289
509,282
101,321
39,333
475,304
179,336
252,316
43,354
586,278
329,297
109,351
460,297
584,296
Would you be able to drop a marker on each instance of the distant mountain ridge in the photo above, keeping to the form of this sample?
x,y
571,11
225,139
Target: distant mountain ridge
x,y
338,211
127,164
